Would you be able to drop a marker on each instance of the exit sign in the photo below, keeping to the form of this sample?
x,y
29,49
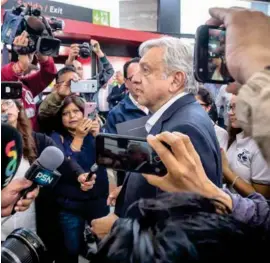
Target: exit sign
x,y
101,18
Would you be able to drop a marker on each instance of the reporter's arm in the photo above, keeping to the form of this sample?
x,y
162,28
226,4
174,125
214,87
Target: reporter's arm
x,y
50,106
40,80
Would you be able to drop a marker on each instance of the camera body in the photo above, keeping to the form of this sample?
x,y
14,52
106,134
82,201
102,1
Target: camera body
x,y
85,50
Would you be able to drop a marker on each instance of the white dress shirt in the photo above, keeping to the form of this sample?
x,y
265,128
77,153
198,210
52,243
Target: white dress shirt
x,y
144,109
103,104
222,136
156,116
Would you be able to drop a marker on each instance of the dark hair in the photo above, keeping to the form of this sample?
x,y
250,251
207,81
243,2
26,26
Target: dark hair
x,y
25,129
78,101
207,98
181,227
64,70
232,132
128,63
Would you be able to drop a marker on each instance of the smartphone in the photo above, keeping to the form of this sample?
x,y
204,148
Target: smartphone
x,y
129,154
209,57
84,86
11,90
90,111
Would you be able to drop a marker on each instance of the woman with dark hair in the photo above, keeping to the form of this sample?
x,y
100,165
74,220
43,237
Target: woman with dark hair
x,y
41,216
205,99
76,138
245,169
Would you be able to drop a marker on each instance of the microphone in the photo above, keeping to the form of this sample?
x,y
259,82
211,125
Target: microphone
x,y
93,170
34,25
43,171
11,153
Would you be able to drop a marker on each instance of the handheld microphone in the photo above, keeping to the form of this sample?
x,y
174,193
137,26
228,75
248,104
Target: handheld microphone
x,y
93,170
43,171
11,153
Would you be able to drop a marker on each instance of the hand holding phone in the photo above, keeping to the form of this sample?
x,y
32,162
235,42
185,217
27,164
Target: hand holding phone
x,y
130,154
90,110
209,59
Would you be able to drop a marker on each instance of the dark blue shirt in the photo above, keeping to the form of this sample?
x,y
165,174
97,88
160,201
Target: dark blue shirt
x,y
85,158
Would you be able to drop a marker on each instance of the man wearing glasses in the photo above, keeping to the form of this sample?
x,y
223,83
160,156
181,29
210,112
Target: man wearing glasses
x,y
128,108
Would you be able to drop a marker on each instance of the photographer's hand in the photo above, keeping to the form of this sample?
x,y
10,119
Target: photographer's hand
x,y
247,43
74,52
96,48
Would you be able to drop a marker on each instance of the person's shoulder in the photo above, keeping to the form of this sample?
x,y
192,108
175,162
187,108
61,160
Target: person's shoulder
x,y
220,130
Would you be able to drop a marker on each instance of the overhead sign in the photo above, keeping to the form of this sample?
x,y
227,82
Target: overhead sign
x,y
56,9
101,18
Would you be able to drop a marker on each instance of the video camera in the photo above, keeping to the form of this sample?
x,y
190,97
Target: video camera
x,y
40,30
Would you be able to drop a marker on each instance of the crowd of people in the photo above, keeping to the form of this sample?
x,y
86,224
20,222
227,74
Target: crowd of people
x,y
218,178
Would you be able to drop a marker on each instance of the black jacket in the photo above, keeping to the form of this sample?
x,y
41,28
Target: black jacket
x,y
185,116
116,95
46,208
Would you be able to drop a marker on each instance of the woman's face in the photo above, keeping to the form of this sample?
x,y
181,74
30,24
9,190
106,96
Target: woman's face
x,y
71,116
203,104
231,113
9,107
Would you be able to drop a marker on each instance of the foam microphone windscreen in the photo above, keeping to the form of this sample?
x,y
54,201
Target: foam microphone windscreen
x,y
11,150
34,25
51,158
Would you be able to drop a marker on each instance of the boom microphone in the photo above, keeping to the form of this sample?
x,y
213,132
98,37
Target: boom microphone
x,y
11,153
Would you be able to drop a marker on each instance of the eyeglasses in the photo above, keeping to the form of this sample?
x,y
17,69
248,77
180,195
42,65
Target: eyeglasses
x,y
7,103
231,108
130,78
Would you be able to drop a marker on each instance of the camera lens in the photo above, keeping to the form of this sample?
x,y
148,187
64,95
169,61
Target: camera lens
x,y
48,46
24,246
85,50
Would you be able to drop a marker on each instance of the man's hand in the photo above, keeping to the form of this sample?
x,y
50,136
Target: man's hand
x,y
74,52
86,185
10,195
96,48
113,196
102,226
247,43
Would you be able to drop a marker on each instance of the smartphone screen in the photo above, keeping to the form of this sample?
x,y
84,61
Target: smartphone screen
x,y
210,59
11,90
90,110
130,154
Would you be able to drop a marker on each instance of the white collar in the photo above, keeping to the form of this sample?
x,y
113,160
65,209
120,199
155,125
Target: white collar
x,y
145,110
156,116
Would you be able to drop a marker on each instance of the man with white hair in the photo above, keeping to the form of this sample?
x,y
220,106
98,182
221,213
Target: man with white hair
x,y
166,86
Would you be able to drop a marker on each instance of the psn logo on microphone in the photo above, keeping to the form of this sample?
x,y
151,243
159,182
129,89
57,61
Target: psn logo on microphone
x,y
44,179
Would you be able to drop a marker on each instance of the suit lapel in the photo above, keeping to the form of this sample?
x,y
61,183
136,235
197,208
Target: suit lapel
x,y
181,102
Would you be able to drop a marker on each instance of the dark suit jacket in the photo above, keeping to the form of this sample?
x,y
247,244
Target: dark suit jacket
x,y
188,117
116,95
124,111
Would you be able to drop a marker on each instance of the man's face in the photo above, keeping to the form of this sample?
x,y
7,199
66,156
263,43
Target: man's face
x,y
119,77
131,86
151,82
79,68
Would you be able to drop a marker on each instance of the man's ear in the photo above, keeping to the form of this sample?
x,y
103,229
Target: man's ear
x,y
178,82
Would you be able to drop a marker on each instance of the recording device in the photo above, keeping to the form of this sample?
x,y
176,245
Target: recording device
x,y
90,110
209,58
40,31
130,154
21,246
11,90
11,153
84,86
93,170
85,50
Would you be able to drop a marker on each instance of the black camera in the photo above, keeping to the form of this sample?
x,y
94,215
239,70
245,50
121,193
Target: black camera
x,y
40,32
85,50
22,245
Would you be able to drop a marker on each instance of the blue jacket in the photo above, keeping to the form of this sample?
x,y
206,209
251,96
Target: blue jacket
x,y
188,117
70,196
124,111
